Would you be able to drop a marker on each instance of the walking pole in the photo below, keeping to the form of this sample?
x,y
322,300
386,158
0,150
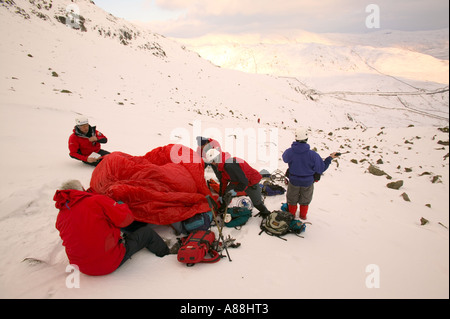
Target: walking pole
x,y
212,205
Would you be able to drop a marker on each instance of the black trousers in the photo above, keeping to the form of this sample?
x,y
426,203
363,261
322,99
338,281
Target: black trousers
x,y
102,153
143,237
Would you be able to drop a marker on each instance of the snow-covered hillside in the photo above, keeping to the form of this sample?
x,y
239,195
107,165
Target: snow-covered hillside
x,y
143,90
412,56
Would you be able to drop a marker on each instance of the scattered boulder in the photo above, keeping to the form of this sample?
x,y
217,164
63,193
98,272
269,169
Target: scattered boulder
x,y
395,185
376,171
436,179
406,197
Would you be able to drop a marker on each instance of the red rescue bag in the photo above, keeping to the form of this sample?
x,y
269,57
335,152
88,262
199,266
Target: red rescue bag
x,y
195,247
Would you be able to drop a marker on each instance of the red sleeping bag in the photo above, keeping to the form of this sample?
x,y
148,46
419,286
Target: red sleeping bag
x,y
165,186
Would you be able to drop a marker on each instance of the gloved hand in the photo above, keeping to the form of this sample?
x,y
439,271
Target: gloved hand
x,y
228,196
232,192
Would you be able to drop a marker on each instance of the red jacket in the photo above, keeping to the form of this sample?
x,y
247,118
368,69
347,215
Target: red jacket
x,y
89,227
80,147
237,172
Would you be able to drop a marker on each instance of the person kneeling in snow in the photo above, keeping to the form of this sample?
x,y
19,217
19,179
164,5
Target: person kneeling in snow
x,y
236,175
305,168
84,143
89,225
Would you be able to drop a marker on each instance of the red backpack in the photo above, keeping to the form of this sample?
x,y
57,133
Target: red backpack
x,y
195,247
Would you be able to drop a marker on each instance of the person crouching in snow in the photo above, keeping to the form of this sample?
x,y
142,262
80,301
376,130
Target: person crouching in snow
x,y
204,144
84,143
236,175
305,168
90,226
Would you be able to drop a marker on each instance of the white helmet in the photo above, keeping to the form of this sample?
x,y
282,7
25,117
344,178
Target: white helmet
x,y
82,120
301,134
213,155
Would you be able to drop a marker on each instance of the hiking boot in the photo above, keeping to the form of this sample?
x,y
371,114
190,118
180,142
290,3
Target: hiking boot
x,y
174,249
303,211
292,209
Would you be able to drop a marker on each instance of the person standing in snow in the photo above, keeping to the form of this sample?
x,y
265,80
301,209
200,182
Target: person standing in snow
x,y
305,168
90,226
84,143
236,175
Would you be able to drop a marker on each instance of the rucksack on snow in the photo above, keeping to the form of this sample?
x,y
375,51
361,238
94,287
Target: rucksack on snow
x,y
271,189
239,216
195,247
280,223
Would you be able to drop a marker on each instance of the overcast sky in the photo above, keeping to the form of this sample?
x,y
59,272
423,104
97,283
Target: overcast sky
x,y
193,18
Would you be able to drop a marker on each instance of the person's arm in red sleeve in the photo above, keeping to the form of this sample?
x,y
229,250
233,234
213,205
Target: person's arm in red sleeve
x,y
74,146
102,139
120,215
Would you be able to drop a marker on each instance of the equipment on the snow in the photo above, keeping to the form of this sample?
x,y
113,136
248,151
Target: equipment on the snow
x,y
198,222
264,173
213,206
277,223
243,202
229,243
239,216
297,227
280,223
271,189
195,247
279,176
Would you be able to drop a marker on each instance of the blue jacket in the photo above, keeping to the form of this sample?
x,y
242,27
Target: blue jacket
x,y
304,163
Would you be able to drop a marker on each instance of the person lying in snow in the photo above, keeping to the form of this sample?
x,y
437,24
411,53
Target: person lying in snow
x,y
305,167
84,143
236,175
90,226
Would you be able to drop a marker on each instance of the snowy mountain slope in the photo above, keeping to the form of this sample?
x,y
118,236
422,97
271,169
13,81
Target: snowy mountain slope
x,y
411,55
347,68
141,100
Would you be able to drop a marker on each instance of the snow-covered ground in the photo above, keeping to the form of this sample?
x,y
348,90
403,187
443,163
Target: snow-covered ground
x,y
150,91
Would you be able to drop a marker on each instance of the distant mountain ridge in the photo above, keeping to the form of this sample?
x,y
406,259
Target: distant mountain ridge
x,y
68,50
